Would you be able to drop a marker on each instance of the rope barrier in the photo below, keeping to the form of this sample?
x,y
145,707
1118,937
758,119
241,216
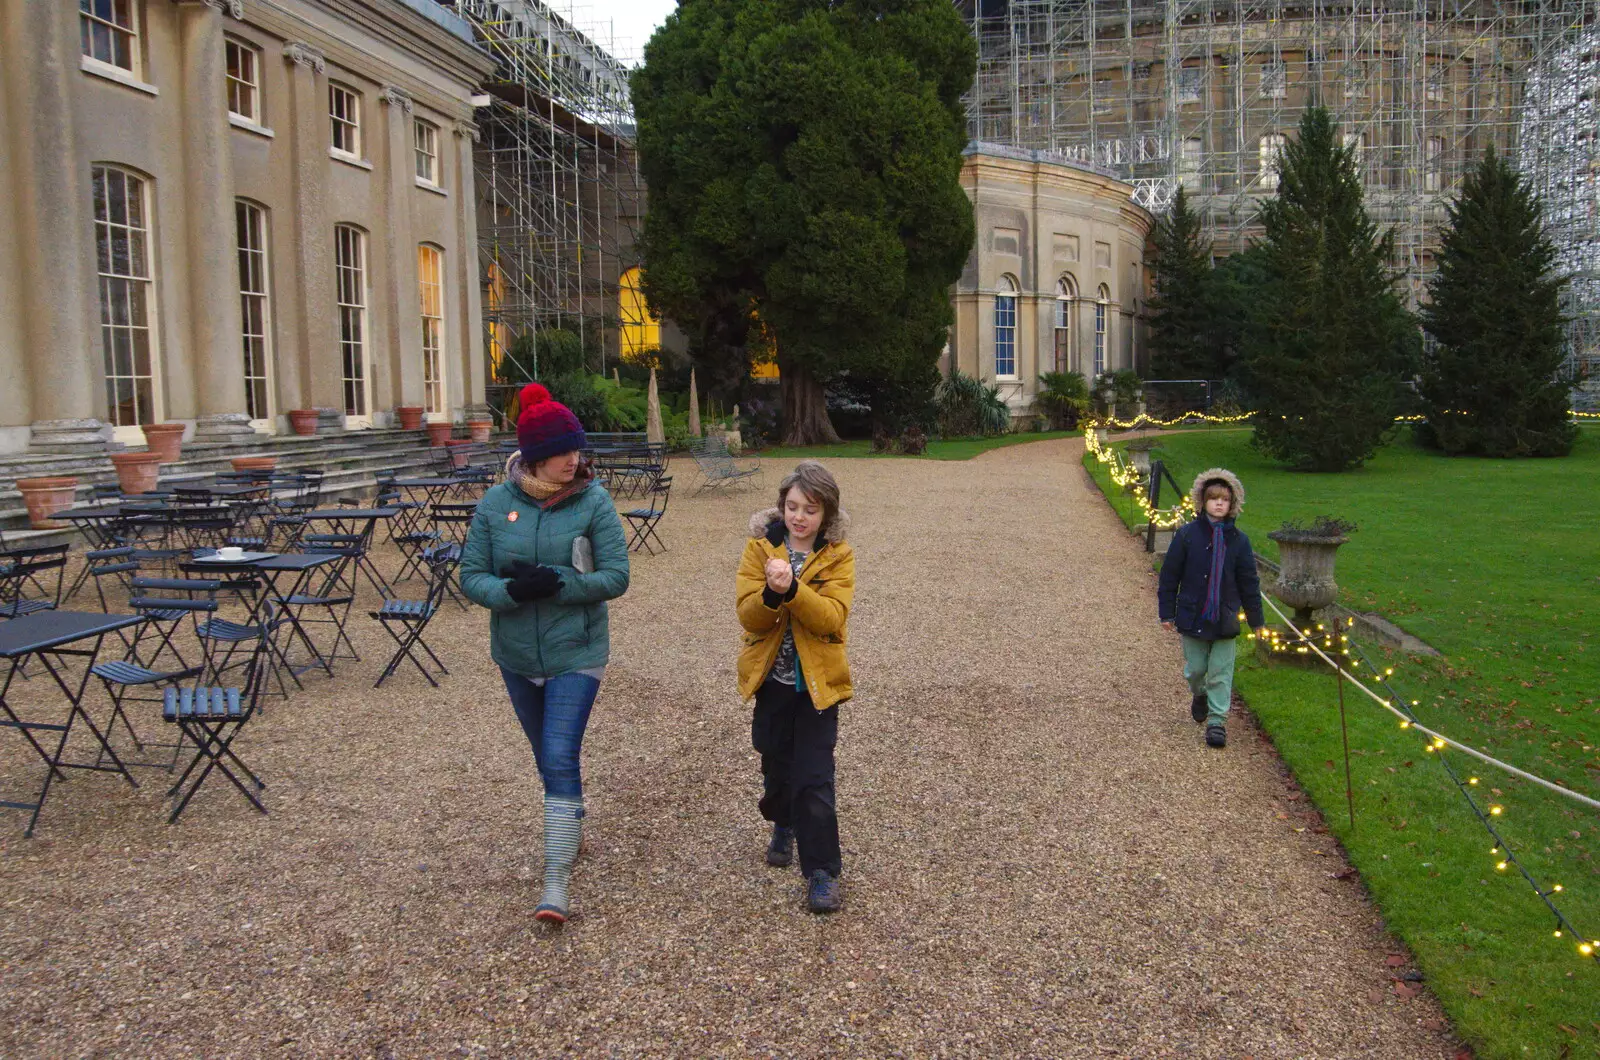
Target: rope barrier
x,y
1411,723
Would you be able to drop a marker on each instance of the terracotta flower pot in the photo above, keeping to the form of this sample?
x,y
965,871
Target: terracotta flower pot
x,y
165,440
136,472
303,421
457,457
478,430
409,417
254,463
439,431
45,496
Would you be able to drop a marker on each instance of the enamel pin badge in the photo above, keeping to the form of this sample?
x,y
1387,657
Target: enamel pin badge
x,y
512,517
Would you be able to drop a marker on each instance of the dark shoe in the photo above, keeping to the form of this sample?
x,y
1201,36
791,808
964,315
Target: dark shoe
x,y
780,851
823,894
1216,736
1198,709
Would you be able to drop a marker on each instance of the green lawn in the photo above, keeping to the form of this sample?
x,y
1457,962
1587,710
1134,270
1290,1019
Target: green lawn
x,y
938,449
1494,564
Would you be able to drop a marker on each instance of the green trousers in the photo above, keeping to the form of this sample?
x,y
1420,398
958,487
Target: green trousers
x,y
1208,667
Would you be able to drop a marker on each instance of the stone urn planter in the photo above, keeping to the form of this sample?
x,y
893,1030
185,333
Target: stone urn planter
x,y
439,431
164,439
1305,573
136,472
408,417
478,430
1139,455
254,463
44,496
304,421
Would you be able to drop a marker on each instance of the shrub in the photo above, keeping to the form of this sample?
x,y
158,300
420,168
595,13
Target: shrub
x,y
1064,399
968,407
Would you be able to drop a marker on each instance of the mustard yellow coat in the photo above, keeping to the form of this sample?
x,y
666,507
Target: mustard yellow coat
x,y
817,612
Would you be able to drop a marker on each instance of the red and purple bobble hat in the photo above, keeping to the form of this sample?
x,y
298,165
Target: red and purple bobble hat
x,y
546,427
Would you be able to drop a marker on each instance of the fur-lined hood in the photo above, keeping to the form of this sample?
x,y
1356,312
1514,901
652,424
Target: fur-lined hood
x,y
768,523
1216,474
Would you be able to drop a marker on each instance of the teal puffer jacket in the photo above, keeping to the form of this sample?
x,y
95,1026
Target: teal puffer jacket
x,y
559,634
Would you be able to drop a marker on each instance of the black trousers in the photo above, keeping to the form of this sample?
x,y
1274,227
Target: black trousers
x,y
796,743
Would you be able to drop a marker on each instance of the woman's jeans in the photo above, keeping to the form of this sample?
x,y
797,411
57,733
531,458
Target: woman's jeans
x,y
554,716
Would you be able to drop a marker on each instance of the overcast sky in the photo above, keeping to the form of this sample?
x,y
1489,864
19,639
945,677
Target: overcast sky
x,y
625,24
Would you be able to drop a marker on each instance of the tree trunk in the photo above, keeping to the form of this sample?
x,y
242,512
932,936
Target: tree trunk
x,y
805,408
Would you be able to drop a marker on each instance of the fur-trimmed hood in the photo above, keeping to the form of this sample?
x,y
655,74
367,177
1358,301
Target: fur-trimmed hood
x,y
1216,474
762,524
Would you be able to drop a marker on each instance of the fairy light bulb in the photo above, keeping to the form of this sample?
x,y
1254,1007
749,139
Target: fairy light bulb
x,y
1473,781
1501,866
1585,948
1496,811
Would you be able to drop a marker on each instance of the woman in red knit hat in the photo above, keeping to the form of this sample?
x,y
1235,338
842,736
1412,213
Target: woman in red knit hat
x,y
545,552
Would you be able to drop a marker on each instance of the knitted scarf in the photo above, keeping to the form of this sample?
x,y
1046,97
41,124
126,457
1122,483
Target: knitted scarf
x,y
545,493
1213,610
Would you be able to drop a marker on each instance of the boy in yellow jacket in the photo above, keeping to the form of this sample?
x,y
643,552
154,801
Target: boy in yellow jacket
x,y
795,585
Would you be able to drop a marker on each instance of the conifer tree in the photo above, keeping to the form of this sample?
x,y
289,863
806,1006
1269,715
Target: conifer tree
x,y
1492,383
1180,310
1329,341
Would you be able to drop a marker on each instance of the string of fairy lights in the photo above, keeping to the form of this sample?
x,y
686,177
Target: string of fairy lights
x,y
1125,475
1337,641
1197,418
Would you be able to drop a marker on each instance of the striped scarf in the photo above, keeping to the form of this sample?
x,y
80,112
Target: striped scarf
x,y
1213,610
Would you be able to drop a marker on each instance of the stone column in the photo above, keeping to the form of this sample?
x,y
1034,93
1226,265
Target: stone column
x,y
315,336
403,382
468,340
214,319
53,213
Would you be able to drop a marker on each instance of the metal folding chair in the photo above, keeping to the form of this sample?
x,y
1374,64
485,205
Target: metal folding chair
x,y
211,716
644,520
30,579
407,620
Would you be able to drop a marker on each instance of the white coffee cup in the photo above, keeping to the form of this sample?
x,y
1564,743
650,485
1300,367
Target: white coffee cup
x,y
230,552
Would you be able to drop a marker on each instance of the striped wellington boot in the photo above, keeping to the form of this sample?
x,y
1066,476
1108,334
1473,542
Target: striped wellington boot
x,y
563,834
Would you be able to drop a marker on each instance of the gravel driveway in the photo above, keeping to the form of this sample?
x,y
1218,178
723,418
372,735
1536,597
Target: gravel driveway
x,y
1041,856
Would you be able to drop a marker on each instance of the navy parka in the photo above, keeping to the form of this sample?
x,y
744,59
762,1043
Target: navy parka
x,y
1186,574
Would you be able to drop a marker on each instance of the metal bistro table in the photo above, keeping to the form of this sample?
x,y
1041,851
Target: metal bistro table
x,y
47,634
357,523
290,602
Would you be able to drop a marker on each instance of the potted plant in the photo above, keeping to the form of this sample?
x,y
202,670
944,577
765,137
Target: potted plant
x,y
478,430
439,431
46,496
303,421
1305,572
408,417
254,463
164,439
137,470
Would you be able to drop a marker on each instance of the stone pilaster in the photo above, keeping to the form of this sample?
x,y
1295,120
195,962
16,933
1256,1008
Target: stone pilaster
x,y
53,212
467,328
214,324
314,338
403,382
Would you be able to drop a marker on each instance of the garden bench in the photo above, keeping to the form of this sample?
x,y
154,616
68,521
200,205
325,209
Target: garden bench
x,y
716,465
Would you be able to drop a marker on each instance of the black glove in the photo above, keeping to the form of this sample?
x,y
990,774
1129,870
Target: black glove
x,y
532,582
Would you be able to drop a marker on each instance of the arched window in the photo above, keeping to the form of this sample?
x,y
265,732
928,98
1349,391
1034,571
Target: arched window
x,y
430,288
350,275
127,293
641,330
1102,313
250,227
1005,329
1066,298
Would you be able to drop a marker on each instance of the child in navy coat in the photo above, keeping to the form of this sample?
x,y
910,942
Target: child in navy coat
x,y
1208,576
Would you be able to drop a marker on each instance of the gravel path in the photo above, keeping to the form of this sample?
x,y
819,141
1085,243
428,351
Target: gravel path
x,y
1042,858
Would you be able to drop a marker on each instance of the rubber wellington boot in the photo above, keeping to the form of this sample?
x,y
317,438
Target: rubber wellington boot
x,y
563,834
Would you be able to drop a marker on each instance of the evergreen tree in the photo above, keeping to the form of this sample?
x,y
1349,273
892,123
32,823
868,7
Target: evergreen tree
x,y
804,161
1180,311
1329,341
1492,383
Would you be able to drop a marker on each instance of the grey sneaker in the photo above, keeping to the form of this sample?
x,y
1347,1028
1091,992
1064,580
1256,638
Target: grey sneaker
x,y
780,851
1198,709
1216,736
823,894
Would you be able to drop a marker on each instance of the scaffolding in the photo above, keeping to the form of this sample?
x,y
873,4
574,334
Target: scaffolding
x,y
1203,93
559,195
